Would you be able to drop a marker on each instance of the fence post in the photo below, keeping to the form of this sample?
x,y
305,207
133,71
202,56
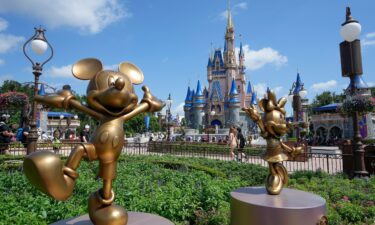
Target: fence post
x,y
327,159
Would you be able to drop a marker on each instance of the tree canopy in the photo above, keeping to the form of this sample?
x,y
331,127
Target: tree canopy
x,y
326,98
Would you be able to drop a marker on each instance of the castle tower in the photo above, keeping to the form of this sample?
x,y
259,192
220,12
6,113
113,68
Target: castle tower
x,y
233,106
198,106
254,100
249,93
187,106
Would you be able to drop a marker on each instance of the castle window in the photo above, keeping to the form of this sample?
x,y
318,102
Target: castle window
x,y
218,108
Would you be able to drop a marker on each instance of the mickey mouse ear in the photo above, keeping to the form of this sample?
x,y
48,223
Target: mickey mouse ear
x,y
132,72
87,68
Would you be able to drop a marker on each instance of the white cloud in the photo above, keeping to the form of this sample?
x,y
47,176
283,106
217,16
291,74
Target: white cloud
x,y
5,77
369,39
9,41
256,59
3,24
368,42
113,67
2,62
235,10
86,15
278,90
63,71
260,89
324,86
179,109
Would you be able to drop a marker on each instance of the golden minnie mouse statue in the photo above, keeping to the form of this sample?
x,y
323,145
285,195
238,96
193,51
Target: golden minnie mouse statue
x,y
112,101
272,126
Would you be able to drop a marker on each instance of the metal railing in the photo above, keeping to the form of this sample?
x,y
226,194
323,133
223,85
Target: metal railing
x,y
330,163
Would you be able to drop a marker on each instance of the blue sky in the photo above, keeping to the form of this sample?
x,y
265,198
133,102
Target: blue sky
x,y
170,40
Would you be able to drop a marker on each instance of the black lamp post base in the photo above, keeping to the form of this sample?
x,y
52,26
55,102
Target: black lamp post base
x,y
361,174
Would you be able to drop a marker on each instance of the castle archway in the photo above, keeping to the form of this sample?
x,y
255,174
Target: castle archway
x,y
216,122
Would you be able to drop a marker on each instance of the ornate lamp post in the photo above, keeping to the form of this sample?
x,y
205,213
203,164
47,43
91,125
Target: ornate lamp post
x,y
39,45
351,66
168,115
295,94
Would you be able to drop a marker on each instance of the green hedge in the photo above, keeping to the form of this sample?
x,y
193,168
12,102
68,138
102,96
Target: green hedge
x,y
184,190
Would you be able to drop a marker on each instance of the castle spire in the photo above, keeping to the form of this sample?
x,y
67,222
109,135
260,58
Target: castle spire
x,y
199,89
233,89
253,99
229,53
229,23
249,89
188,95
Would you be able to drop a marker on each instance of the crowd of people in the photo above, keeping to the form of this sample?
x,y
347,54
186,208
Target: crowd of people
x,y
9,134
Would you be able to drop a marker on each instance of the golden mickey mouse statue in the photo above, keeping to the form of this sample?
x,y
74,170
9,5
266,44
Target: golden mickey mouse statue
x,y
272,127
112,101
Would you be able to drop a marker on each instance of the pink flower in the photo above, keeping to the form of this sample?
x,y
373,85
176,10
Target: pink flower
x,y
345,198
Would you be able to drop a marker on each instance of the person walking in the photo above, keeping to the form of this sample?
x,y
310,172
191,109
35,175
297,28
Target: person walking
x,y
232,141
85,135
241,144
56,143
5,134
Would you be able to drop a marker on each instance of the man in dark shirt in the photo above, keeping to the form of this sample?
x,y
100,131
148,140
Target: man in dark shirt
x,y
5,134
85,135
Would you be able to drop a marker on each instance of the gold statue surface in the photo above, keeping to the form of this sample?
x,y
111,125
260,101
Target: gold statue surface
x,y
112,101
272,126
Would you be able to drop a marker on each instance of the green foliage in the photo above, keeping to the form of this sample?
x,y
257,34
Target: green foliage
x,y
348,201
368,141
137,124
184,190
326,98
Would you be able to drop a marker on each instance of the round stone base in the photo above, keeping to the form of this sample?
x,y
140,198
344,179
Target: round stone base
x,y
253,206
134,218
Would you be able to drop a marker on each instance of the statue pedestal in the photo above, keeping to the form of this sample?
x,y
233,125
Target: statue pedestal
x,y
134,218
253,206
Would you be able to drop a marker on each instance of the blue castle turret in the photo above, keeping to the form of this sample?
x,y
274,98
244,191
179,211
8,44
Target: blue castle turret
x,y
42,90
199,102
188,105
299,85
233,106
254,99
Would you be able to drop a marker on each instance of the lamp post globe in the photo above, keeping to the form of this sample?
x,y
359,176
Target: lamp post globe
x,y
290,97
39,46
303,93
351,28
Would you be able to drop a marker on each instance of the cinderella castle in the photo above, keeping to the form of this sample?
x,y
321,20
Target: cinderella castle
x,y
220,104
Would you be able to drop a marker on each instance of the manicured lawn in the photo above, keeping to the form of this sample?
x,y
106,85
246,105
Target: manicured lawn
x,y
184,190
